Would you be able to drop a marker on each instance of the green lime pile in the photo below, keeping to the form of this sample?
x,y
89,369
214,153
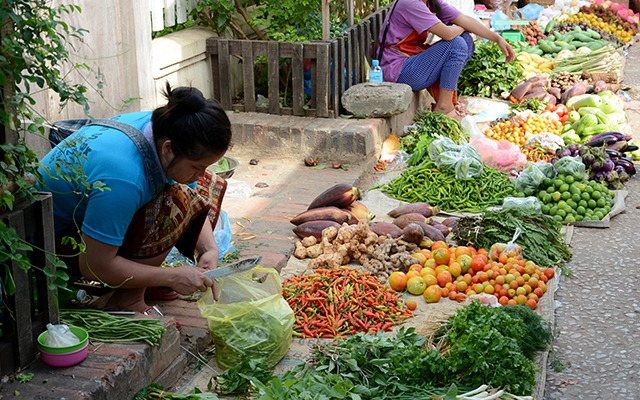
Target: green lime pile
x,y
569,200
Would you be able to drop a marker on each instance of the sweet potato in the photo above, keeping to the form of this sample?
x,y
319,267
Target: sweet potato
x,y
383,228
313,228
413,233
406,219
329,213
517,94
441,227
579,88
432,232
419,207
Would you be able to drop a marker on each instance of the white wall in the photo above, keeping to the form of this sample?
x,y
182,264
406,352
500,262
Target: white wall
x,y
130,67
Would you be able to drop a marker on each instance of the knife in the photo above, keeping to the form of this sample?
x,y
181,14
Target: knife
x,y
234,268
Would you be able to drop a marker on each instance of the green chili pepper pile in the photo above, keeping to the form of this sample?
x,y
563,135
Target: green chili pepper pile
x,y
439,187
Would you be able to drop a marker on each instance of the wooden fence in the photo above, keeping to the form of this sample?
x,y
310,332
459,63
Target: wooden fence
x,y
334,66
25,315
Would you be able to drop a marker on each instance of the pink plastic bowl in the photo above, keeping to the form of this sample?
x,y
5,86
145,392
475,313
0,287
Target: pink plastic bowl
x,y
65,359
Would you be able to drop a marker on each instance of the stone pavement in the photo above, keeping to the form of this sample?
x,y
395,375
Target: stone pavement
x,y
596,319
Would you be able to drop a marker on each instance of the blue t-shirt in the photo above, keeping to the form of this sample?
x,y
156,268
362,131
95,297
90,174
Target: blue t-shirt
x,y
103,156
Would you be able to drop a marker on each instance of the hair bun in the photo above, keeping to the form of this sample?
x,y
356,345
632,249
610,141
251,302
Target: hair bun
x,y
186,99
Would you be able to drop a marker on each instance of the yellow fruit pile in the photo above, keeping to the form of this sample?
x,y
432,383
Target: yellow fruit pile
x,y
533,64
518,130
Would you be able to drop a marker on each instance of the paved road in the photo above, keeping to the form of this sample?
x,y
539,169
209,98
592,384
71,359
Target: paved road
x,y
597,338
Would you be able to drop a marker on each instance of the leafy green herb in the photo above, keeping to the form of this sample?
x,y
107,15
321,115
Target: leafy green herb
x,y
429,126
535,104
238,378
537,330
486,347
487,74
541,238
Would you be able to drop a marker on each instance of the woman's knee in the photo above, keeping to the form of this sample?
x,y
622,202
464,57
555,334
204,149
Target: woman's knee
x,y
459,46
466,36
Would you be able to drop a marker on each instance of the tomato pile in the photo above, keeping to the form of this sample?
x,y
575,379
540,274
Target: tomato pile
x,y
458,272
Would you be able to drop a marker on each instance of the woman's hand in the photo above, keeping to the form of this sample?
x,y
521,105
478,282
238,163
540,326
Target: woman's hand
x,y
506,49
187,279
208,260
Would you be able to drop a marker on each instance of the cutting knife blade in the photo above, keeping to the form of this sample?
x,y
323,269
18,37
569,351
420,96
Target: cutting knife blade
x,y
234,268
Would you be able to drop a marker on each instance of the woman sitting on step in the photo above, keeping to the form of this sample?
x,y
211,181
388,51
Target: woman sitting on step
x,y
126,189
405,58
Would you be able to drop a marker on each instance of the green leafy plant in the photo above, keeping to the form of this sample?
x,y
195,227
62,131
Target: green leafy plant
x,y
34,55
487,74
282,20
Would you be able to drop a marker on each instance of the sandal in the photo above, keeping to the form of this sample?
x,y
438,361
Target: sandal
x,y
153,311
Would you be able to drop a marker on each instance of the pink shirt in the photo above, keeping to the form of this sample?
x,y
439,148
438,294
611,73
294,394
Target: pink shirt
x,y
409,16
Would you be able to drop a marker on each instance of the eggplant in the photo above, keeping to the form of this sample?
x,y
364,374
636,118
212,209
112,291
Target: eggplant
x,y
627,164
613,154
620,145
608,166
605,138
564,153
573,148
631,148
588,160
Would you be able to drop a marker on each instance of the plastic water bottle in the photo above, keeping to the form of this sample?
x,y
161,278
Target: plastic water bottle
x,y
375,75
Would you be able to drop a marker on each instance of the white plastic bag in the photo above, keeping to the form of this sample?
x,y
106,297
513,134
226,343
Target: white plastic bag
x,y
60,336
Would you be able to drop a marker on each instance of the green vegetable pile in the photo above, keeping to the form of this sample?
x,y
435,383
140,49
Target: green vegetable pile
x,y
478,346
430,125
440,187
104,327
541,238
494,346
487,74
482,345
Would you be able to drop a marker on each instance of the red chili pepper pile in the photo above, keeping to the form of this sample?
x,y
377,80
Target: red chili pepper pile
x,y
336,302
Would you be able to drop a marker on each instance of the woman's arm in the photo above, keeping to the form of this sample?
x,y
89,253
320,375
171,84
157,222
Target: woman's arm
x,y
476,27
446,32
101,262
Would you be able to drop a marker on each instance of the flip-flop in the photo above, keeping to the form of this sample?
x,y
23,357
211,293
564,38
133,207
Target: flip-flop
x,y
153,311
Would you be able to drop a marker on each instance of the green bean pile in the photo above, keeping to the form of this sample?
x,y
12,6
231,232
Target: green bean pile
x,y
439,187
104,327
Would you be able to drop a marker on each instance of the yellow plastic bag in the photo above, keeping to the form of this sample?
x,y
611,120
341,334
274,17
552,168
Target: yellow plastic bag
x,y
250,320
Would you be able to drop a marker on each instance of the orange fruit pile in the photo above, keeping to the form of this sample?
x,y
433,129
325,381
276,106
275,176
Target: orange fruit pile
x,y
457,272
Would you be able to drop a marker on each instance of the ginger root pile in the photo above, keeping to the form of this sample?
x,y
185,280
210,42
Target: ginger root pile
x,y
379,255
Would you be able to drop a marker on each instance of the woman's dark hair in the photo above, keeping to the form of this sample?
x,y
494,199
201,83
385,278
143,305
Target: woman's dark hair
x,y
197,127
435,7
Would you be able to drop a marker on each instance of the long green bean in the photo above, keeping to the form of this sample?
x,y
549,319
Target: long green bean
x,y
439,187
104,327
